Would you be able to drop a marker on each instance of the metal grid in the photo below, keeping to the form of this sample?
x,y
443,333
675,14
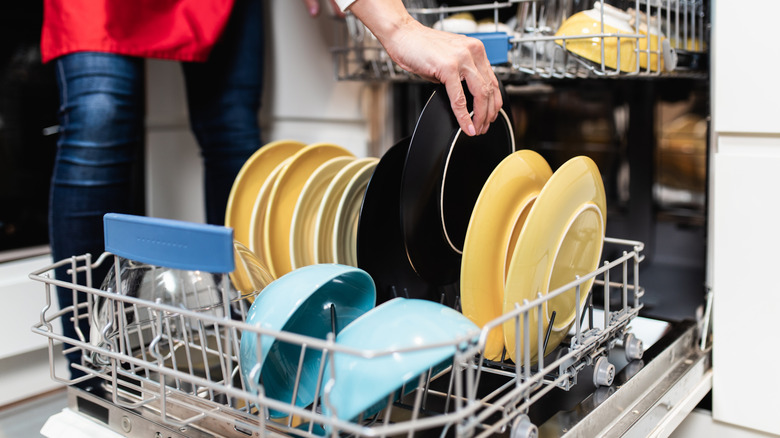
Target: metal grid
x,y
180,368
534,49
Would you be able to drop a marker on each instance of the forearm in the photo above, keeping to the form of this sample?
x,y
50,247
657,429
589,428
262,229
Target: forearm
x,y
386,18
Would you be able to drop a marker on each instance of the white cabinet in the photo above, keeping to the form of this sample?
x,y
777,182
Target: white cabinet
x,y
746,93
24,358
22,300
747,299
744,213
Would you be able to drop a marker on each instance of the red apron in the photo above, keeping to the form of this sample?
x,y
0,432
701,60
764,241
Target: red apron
x,y
183,30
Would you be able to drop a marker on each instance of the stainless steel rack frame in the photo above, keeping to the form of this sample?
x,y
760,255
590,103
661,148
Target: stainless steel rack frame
x,y
535,52
177,373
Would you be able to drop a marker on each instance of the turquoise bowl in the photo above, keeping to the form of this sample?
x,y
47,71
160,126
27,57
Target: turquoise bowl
x,y
362,385
301,302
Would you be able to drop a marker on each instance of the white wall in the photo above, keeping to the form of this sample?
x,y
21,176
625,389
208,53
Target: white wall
x,y
302,100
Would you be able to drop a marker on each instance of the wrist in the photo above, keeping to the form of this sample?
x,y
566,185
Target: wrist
x,y
385,18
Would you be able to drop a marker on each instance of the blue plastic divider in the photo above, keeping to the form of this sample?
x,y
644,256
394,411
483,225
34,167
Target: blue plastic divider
x,y
170,243
496,46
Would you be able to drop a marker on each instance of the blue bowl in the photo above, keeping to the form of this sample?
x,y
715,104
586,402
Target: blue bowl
x,y
300,302
363,385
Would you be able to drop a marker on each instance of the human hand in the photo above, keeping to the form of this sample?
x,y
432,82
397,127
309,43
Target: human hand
x,y
313,6
439,57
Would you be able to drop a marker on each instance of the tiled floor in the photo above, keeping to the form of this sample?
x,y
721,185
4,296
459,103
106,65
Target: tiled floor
x,y
25,419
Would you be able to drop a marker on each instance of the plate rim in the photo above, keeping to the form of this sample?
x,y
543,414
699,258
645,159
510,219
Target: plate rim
x,y
444,176
260,209
315,181
276,224
440,128
259,159
348,196
329,206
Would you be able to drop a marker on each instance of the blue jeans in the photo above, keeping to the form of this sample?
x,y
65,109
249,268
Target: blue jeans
x,y
102,136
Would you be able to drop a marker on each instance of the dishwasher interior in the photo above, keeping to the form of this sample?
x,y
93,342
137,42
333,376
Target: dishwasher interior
x,y
637,357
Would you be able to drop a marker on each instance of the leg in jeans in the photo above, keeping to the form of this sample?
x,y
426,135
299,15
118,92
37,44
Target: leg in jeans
x,y
224,99
101,118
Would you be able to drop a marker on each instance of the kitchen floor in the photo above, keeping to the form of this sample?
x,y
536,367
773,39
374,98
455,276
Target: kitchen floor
x,y
26,418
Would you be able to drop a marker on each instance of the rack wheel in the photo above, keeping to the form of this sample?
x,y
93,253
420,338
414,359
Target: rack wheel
x,y
633,347
603,372
523,428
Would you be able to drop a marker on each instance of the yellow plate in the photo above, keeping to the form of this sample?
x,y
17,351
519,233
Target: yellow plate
x,y
284,195
562,238
305,214
499,214
328,208
250,178
259,210
589,23
345,225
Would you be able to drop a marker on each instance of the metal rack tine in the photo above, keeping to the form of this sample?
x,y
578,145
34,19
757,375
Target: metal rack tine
x,y
547,335
333,327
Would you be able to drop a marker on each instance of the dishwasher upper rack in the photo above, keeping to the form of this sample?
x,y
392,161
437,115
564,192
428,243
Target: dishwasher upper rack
x,y
146,377
532,49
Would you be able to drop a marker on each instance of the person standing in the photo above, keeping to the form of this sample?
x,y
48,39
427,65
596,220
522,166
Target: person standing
x,y
98,48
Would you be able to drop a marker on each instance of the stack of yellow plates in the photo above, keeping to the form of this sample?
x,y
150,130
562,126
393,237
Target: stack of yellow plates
x,y
532,231
561,239
284,196
499,214
305,214
345,225
324,241
248,183
259,208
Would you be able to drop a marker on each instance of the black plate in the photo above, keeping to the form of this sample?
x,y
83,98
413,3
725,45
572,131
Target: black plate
x,y
443,174
380,248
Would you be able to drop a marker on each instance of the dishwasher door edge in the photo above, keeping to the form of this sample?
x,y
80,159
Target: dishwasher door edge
x,y
651,403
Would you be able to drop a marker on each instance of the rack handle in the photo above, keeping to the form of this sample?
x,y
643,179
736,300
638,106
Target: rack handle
x,y
170,243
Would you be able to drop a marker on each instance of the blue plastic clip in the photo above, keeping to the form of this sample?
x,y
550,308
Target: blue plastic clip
x,y
496,46
170,243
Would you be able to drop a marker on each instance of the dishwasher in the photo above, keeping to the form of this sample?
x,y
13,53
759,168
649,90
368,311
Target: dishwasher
x,y
623,369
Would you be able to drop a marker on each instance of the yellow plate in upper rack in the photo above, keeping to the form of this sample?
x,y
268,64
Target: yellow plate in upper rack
x,y
284,196
499,213
589,23
250,178
562,238
305,214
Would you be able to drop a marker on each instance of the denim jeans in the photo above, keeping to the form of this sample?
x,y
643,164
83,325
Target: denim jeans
x,y
102,135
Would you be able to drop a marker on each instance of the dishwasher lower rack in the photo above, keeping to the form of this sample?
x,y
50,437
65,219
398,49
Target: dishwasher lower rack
x,y
179,370
667,37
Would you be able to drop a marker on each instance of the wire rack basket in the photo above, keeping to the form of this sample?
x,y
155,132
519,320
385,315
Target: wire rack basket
x,y
180,366
662,37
